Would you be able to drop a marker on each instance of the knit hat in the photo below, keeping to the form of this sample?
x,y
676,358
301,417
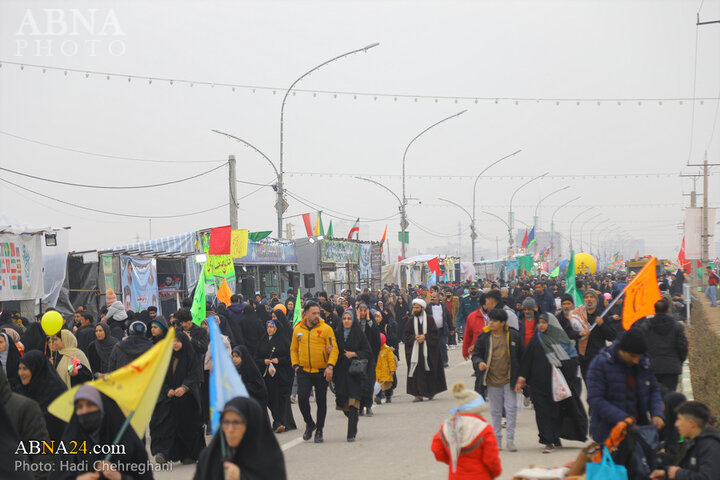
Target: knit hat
x,y
382,340
465,396
110,297
634,341
529,302
592,292
137,328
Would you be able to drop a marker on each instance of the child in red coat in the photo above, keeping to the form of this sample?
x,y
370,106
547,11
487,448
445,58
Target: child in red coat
x,y
466,442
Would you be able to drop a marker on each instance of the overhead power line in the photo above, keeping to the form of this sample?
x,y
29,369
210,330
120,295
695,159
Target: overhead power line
x,y
112,213
436,177
103,155
111,187
153,80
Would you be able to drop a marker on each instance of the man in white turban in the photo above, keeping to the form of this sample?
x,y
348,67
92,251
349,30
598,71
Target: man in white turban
x,y
426,375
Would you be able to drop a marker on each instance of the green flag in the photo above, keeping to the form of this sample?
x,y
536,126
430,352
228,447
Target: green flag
x,y
257,236
297,314
199,301
570,284
555,272
330,230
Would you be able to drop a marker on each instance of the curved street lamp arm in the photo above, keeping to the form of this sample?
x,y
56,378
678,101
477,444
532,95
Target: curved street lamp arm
x,y
548,195
248,144
419,135
485,170
496,216
552,219
287,92
472,220
383,186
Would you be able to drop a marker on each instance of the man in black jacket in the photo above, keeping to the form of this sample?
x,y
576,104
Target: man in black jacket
x,y
567,305
543,299
444,322
700,457
667,345
131,347
496,356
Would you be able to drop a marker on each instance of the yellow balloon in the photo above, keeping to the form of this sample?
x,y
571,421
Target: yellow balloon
x,y
585,263
52,322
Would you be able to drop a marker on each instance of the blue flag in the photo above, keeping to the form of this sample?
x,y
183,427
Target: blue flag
x,y
225,381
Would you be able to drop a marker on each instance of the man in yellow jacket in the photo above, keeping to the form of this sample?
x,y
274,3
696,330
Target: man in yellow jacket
x,y
313,353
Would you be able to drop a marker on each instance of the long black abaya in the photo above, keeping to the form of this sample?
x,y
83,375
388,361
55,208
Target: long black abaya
x,y
279,385
372,333
44,387
251,376
176,424
10,365
34,338
258,456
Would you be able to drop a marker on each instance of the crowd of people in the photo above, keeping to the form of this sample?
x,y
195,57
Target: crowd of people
x,y
525,339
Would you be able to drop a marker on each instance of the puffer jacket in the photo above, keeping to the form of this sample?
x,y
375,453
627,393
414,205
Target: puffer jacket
x,y
701,457
386,365
479,458
606,392
667,344
307,349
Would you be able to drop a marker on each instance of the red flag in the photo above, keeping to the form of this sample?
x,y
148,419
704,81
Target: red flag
x,y
308,224
399,258
525,239
220,240
354,229
434,266
682,261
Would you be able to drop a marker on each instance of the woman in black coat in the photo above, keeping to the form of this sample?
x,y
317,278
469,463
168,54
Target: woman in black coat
x,y
352,344
245,447
273,361
176,424
100,349
34,338
9,358
251,377
39,380
550,347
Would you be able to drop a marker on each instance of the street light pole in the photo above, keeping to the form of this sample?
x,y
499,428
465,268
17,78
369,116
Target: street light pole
x,y
582,227
552,225
403,206
510,213
535,215
473,234
281,186
509,253
472,222
573,221
597,225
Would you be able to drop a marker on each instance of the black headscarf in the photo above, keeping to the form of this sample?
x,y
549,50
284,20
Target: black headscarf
x,y
262,312
259,456
284,329
10,360
277,346
34,337
227,330
45,384
104,347
112,420
251,376
252,328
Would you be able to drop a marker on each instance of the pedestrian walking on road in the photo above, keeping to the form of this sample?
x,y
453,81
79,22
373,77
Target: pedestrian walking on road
x,y
711,290
426,375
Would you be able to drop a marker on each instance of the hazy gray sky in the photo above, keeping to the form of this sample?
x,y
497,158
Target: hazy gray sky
x,y
487,49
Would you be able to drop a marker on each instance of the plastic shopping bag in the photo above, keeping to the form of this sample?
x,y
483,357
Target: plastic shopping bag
x,y
606,469
560,388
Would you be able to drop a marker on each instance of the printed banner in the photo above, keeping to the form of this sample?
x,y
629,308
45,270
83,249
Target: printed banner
x,y
365,260
279,253
139,283
693,233
107,267
20,267
335,251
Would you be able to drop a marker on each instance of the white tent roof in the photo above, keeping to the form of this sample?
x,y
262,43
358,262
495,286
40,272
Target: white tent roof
x,y
9,224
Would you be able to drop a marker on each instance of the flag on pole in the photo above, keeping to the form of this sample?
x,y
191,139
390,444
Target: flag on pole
x,y
225,382
355,229
330,229
531,237
319,229
641,295
308,224
199,304
525,240
134,387
433,280
224,293
297,313
382,240
682,260
220,240
570,284
555,272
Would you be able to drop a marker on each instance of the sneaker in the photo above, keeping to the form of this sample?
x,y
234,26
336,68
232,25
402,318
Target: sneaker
x,y
280,429
549,448
378,400
308,432
504,423
361,412
557,443
388,399
511,447
160,458
369,412
351,439
318,436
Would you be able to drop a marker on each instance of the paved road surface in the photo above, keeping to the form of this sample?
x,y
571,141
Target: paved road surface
x,y
395,443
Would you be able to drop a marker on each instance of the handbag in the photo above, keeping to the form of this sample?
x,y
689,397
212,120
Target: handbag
x,y
358,366
605,469
560,387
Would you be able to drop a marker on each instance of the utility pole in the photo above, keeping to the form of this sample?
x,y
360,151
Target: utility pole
x,y
705,240
233,193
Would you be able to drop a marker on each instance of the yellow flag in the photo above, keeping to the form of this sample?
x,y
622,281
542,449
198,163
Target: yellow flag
x,y
224,293
641,295
134,387
239,243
